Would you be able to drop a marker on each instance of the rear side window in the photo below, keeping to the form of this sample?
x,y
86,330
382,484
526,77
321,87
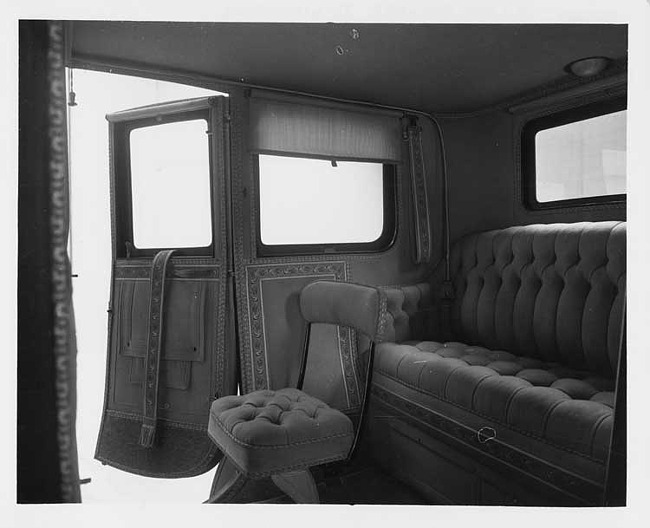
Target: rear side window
x,y
315,205
576,157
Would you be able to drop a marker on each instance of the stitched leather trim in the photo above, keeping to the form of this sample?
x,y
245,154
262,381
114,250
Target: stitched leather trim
x,y
253,349
166,421
154,346
283,446
419,192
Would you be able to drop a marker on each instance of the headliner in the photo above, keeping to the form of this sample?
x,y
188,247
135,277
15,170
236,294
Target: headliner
x,y
432,67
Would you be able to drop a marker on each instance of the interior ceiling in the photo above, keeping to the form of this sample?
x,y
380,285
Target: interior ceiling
x,y
431,67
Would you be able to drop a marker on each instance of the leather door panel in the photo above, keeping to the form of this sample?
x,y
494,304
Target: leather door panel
x,y
272,329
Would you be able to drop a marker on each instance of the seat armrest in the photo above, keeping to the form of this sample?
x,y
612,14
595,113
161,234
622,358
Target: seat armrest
x,y
363,308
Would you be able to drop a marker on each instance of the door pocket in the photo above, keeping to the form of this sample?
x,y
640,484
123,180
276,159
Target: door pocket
x,y
184,325
184,329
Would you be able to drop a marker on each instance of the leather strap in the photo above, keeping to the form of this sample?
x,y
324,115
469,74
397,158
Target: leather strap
x,y
154,347
419,193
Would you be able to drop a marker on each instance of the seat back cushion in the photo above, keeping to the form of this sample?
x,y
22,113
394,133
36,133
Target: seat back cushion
x,y
553,292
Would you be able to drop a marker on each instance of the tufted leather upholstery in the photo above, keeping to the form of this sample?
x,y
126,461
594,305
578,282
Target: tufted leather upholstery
x,y
569,408
345,304
408,308
553,292
536,321
266,432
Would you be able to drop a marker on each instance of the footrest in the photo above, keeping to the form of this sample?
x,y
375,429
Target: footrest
x,y
269,432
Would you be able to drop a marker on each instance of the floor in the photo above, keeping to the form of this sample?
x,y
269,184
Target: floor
x,y
358,482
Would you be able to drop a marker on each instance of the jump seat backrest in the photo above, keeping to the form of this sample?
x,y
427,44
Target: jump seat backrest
x,y
535,329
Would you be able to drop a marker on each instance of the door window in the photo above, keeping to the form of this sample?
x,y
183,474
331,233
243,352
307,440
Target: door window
x,y
170,185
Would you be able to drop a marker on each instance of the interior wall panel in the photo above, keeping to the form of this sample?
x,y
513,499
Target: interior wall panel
x,y
269,321
485,185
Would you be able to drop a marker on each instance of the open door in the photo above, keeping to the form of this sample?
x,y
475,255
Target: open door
x,y
171,346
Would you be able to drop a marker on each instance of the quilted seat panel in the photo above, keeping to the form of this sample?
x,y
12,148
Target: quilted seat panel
x,y
569,408
553,292
266,432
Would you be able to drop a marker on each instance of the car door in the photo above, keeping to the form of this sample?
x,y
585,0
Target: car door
x,y
170,349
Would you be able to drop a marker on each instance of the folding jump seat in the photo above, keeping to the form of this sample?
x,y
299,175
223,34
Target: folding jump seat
x,y
282,433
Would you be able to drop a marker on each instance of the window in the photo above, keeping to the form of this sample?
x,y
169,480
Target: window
x,y
316,205
170,185
576,157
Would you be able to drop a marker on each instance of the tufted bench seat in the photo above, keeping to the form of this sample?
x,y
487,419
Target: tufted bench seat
x,y
266,432
518,364
571,409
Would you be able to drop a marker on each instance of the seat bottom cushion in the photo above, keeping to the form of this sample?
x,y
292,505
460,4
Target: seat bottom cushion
x,y
566,409
267,432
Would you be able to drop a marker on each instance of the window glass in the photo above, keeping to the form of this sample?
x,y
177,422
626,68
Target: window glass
x,y
170,184
581,159
308,201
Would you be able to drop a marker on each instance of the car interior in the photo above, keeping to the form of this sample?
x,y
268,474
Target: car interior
x,y
386,266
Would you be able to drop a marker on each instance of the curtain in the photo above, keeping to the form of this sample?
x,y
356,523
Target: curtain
x,y
289,126
47,469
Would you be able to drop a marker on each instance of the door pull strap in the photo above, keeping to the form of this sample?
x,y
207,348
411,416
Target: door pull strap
x,y
154,346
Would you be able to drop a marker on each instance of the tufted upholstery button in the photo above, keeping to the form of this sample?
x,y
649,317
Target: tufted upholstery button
x,y
529,363
505,368
500,355
538,377
577,389
606,398
476,359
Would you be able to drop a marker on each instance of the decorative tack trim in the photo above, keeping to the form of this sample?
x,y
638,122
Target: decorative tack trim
x,y
154,346
254,348
349,361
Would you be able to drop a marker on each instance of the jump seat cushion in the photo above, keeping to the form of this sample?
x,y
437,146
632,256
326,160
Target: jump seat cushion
x,y
268,432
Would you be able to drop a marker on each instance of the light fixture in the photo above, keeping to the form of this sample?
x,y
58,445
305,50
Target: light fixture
x,y
588,67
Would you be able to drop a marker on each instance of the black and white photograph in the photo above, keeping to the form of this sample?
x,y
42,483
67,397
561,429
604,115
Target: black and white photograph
x,y
332,263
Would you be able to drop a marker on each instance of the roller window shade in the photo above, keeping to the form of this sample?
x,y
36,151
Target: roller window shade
x,y
313,130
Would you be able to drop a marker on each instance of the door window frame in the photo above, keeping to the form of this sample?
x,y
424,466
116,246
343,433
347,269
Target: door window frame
x,y
120,132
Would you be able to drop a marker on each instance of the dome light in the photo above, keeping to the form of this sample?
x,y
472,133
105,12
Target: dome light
x,y
588,67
